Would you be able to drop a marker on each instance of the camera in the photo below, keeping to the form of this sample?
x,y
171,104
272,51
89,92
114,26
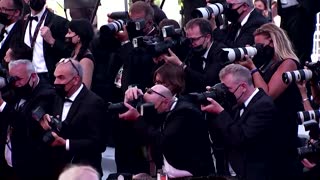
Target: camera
x,y
304,116
211,9
219,93
144,108
237,54
6,79
113,27
309,120
313,71
119,15
156,46
54,123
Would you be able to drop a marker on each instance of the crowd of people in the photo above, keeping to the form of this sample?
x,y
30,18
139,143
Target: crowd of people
x,y
177,103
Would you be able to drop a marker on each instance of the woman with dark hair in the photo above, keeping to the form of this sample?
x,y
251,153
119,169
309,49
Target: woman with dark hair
x,y
80,34
170,76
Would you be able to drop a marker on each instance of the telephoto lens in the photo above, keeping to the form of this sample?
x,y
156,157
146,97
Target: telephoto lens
x,y
206,12
297,76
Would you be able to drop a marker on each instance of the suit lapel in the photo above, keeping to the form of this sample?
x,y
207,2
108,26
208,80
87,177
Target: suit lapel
x,y
75,105
252,102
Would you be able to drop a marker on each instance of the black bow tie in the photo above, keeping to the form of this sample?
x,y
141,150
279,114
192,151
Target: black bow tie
x,y
242,106
68,100
33,18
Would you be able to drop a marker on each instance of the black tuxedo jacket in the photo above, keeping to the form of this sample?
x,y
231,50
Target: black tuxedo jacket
x,y
59,28
182,138
14,35
251,139
245,36
83,127
198,78
30,155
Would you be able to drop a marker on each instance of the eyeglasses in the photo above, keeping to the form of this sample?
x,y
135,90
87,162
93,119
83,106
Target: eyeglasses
x,y
66,60
150,91
195,39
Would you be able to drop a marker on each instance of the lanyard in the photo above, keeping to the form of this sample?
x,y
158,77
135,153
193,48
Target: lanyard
x,y
36,32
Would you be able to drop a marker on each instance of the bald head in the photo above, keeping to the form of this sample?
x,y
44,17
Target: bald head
x,y
163,90
79,173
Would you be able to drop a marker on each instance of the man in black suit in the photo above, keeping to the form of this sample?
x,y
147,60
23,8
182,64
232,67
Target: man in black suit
x,y
11,12
23,154
46,38
250,135
80,139
181,137
244,21
204,61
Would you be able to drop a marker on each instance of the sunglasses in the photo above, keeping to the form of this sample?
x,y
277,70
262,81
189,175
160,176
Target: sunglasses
x,y
151,91
66,60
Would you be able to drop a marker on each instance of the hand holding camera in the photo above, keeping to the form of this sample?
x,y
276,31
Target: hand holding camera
x,y
213,107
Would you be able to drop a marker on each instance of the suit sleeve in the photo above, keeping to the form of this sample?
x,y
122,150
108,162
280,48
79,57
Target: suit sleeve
x,y
237,134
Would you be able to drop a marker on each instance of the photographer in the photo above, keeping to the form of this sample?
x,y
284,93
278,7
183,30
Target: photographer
x,y
244,21
80,139
159,15
182,136
250,132
23,153
204,60
279,57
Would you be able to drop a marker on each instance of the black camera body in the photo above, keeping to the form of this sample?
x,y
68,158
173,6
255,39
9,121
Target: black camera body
x,y
219,93
144,108
156,46
55,124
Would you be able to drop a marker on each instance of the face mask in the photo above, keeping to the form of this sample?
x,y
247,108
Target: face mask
x,y
199,50
60,89
23,91
68,41
264,55
232,14
37,5
4,19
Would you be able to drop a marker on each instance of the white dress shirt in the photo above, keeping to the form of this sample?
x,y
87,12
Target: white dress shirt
x,y
38,55
5,35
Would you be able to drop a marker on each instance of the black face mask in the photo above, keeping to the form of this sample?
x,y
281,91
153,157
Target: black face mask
x,y
264,55
23,91
60,89
199,50
68,41
4,19
232,14
37,5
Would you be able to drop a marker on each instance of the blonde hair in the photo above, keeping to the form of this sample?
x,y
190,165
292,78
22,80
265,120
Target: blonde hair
x,y
79,173
282,45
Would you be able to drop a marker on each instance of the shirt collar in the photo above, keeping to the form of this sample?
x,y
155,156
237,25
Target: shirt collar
x,y
207,52
75,94
39,15
250,98
245,19
8,28
175,100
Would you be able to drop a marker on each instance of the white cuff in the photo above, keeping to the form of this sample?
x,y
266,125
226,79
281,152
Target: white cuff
x,y
3,105
67,144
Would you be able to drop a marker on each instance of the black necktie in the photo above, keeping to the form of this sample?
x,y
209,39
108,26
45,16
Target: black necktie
x,y
33,18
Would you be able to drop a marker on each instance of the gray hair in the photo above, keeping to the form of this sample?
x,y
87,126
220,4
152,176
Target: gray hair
x,y
29,66
238,72
79,173
75,66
